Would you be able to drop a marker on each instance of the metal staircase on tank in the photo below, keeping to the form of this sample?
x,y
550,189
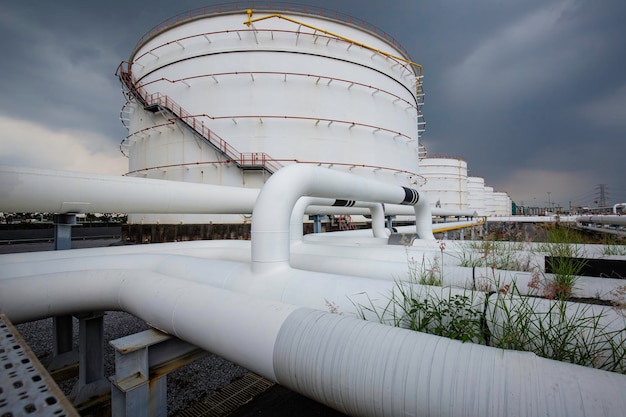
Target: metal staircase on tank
x,y
162,103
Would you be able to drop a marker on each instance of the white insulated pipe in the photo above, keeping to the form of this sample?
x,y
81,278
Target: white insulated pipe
x,y
312,289
365,369
294,286
235,326
399,210
29,189
359,368
25,189
377,262
616,220
272,211
170,305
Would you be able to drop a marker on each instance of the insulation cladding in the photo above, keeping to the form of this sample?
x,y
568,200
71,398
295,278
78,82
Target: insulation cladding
x,y
296,87
446,182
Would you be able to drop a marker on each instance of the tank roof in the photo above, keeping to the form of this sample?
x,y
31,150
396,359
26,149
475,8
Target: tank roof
x,y
266,6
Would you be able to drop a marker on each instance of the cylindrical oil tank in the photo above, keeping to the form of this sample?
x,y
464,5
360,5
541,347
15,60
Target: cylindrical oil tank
x,y
490,202
502,203
228,95
445,182
476,195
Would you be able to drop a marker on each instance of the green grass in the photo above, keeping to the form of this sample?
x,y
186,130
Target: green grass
x,y
545,323
554,329
425,275
495,254
613,247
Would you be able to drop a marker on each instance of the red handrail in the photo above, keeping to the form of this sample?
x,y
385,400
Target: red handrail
x,y
158,99
275,162
325,78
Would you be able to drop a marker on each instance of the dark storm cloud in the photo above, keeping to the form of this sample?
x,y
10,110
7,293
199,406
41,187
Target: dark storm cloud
x,y
60,70
535,93
532,94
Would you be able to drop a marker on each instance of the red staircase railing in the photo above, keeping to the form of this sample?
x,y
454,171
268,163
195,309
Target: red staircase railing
x,y
244,160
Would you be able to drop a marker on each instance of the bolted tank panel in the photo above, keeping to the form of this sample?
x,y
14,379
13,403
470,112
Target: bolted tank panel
x,y
445,182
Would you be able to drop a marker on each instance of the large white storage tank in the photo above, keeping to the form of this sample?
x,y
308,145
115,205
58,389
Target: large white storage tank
x,y
227,95
476,195
445,182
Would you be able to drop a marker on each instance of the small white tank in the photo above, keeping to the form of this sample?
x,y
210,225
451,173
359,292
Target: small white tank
x,y
446,182
502,204
476,195
490,202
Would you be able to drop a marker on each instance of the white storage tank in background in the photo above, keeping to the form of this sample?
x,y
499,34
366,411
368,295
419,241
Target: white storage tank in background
x,y
476,195
502,204
445,182
215,100
490,202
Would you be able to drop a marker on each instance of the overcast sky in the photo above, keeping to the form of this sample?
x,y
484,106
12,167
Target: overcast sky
x,y
531,93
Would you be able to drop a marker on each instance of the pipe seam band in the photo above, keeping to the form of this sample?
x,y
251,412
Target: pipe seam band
x,y
411,197
344,203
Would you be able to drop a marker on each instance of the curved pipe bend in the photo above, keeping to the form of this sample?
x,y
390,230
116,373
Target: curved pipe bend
x,y
276,201
302,205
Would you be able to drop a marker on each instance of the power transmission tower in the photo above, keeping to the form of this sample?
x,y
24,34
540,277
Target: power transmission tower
x,y
602,195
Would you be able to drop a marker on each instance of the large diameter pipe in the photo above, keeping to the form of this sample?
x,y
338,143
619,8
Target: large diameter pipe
x,y
272,212
293,286
314,289
384,262
24,189
616,220
29,189
365,369
357,367
235,326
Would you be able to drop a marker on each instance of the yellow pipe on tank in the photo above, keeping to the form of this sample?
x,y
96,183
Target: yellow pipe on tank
x,y
343,38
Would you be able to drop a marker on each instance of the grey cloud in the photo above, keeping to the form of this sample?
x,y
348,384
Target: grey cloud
x,y
512,86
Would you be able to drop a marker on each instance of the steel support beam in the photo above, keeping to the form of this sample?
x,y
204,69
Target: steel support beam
x,y
317,222
64,357
390,222
142,362
92,386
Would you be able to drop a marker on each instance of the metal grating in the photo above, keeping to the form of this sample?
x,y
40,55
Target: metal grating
x,y
228,399
26,388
